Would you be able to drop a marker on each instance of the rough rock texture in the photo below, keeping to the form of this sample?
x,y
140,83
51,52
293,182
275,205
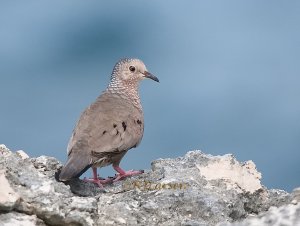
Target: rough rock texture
x,y
285,215
197,189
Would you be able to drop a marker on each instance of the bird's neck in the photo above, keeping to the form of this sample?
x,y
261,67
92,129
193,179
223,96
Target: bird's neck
x,y
128,90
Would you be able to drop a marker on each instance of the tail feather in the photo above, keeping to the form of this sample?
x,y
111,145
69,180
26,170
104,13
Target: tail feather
x,y
75,167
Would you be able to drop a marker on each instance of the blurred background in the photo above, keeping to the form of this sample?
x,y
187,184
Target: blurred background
x,y
229,77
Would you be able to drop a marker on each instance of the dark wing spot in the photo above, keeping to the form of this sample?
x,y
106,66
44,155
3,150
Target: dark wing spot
x,y
117,132
139,122
114,125
104,132
124,125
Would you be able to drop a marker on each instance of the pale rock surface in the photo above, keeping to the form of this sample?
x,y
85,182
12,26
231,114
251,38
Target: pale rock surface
x,y
242,177
8,197
287,215
296,196
22,154
180,191
19,219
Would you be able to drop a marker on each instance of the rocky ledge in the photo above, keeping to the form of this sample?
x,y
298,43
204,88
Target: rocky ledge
x,y
197,189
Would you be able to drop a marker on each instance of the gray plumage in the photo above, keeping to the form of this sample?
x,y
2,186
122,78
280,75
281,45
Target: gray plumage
x,y
111,125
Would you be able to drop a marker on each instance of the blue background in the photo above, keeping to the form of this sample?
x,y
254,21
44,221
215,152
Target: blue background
x,y
229,72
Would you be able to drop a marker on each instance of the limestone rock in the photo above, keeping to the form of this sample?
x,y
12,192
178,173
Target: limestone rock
x,y
180,191
288,215
242,177
20,219
8,197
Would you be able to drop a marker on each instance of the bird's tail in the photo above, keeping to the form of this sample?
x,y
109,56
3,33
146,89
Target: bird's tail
x,y
75,167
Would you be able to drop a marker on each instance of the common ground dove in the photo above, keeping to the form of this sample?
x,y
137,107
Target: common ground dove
x,y
110,126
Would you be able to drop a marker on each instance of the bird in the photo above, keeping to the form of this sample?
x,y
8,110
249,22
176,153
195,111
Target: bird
x,y
110,126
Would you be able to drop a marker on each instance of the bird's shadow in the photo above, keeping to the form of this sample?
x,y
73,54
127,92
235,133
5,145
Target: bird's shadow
x,y
80,187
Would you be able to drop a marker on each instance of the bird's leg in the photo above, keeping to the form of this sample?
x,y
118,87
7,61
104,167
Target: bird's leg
x,y
122,174
96,179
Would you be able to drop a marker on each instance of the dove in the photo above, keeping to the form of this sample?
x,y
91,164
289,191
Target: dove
x,y
110,126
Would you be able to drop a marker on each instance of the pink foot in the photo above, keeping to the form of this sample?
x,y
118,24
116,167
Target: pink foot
x,y
123,174
96,179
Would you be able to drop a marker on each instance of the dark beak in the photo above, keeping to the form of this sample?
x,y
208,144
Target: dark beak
x,y
149,75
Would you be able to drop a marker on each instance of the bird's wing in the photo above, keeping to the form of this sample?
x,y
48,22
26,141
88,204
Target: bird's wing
x,y
109,125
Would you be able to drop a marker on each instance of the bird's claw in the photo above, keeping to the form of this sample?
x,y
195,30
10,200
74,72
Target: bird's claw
x,y
127,174
99,181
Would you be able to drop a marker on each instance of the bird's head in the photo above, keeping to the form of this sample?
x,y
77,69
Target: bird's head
x,y
131,70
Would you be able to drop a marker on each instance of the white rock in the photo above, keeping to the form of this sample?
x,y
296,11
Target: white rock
x,y
296,195
18,219
2,146
8,197
121,220
22,154
287,215
244,177
4,150
46,187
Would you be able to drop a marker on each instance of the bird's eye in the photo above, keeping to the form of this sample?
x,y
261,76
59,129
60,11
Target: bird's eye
x,y
132,68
